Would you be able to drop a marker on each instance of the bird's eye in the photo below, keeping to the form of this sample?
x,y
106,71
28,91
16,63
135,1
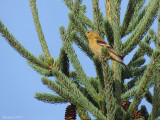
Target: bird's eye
x,y
88,32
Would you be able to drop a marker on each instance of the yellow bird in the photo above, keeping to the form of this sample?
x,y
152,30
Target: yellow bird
x,y
96,43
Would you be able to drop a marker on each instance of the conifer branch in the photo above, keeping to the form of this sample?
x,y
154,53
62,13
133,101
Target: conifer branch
x,y
137,63
128,15
134,72
107,24
158,38
69,4
109,94
140,51
59,89
39,28
142,87
84,19
50,98
148,96
99,71
139,71
146,48
83,114
67,82
156,97
76,6
135,21
95,82
133,8
62,90
144,112
77,23
108,31
19,48
64,62
141,28
83,45
115,21
71,29
71,93
115,16
39,69
101,82
76,64
80,73
128,94
129,85
75,14
108,10
97,16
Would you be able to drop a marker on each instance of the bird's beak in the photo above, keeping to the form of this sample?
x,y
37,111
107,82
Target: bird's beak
x,y
85,35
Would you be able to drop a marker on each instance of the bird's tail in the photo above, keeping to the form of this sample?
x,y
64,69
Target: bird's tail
x,y
120,61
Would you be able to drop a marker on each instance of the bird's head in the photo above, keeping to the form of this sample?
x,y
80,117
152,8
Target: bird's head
x,y
91,34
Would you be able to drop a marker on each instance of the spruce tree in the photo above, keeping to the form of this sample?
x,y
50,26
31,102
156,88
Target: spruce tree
x,y
106,96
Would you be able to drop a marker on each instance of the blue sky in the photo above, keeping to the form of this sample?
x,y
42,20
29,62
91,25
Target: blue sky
x,y
18,81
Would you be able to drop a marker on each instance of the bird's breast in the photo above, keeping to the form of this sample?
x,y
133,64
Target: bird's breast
x,y
96,48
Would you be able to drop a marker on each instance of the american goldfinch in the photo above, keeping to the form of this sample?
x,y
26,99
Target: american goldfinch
x,y
96,43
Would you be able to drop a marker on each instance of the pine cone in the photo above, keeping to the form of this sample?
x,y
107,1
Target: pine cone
x,y
70,113
137,114
126,105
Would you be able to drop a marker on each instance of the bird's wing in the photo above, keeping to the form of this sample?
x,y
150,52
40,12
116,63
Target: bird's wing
x,y
100,41
103,43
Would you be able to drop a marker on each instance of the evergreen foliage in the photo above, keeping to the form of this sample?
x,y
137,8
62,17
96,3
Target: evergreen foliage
x,y
105,96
